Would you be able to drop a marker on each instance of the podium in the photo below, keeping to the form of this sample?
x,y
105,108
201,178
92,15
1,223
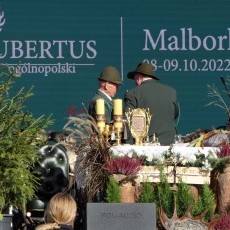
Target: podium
x,y
121,216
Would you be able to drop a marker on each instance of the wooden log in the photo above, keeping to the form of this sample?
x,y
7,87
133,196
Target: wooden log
x,y
223,191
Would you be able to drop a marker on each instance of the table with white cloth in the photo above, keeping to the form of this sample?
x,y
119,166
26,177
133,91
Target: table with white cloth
x,y
151,153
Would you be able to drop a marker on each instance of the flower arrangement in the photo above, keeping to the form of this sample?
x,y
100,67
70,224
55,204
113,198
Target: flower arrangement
x,y
222,223
123,165
91,152
223,159
121,184
224,150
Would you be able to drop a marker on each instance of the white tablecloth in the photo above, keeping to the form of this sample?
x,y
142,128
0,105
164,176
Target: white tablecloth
x,y
156,153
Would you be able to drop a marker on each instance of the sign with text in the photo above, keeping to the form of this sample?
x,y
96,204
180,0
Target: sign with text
x,y
119,216
61,47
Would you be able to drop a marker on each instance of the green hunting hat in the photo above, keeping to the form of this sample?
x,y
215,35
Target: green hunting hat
x,y
110,74
143,68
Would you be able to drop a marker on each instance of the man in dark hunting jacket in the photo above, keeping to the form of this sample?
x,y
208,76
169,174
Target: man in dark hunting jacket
x,y
159,98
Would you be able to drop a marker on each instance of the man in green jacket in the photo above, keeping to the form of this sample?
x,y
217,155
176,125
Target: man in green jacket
x,y
159,98
109,82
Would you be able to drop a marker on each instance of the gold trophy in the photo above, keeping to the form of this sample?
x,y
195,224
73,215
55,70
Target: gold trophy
x,y
139,122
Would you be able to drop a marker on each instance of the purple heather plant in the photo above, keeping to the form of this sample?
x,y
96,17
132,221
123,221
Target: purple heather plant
x,y
123,165
223,223
224,150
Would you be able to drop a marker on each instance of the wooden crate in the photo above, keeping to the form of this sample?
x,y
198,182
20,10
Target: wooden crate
x,y
189,175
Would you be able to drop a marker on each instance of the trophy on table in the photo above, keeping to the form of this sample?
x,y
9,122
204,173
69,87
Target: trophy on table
x,y
139,122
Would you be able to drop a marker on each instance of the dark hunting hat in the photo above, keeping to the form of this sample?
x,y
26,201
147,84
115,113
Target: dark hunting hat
x,y
143,68
110,74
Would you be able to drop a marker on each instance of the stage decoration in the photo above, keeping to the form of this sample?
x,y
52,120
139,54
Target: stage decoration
x,y
100,106
123,165
154,155
110,131
117,119
138,122
189,219
21,135
154,142
190,163
91,154
107,132
100,114
113,194
124,171
206,137
117,107
219,99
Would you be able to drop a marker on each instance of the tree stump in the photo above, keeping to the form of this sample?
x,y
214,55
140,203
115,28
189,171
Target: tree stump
x,y
223,190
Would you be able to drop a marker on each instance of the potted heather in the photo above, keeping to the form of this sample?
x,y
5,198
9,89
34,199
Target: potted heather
x,y
124,171
21,134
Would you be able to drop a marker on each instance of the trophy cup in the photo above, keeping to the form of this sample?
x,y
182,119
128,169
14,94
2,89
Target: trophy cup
x,y
138,122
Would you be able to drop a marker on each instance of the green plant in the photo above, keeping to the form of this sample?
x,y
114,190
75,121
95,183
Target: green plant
x,y
113,191
85,141
180,199
207,202
20,137
184,198
219,165
164,195
147,194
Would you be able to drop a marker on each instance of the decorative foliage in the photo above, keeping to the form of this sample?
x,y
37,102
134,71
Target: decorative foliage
x,y
218,98
182,217
184,198
113,191
164,195
222,223
171,157
208,202
224,150
223,160
20,137
146,195
123,165
177,204
92,152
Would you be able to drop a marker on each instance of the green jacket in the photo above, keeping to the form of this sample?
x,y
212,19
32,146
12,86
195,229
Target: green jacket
x,y
108,106
162,102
